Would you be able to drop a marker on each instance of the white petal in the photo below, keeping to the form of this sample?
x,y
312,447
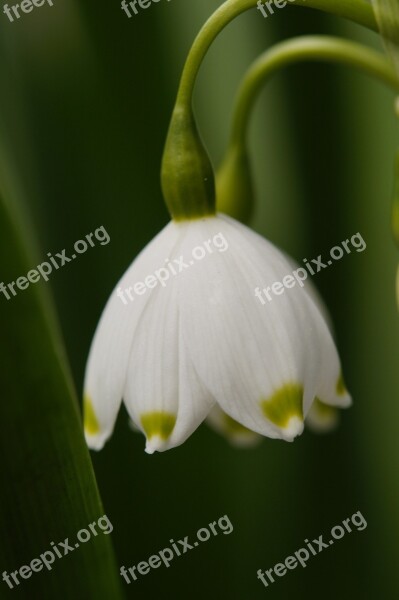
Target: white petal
x,y
314,293
330,388
264,364
107,363
234,432
163,394
334,392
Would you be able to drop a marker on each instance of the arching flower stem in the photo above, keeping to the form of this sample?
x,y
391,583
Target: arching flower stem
x,y
305,48
187,175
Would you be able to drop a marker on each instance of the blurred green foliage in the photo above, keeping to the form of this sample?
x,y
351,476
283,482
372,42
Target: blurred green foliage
x,y
86,99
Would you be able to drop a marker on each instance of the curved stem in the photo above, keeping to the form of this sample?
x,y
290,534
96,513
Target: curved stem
x,y
317,47
187,176
359,11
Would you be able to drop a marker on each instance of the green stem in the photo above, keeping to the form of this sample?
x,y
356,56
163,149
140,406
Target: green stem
x,y
187,176
320,48
359,11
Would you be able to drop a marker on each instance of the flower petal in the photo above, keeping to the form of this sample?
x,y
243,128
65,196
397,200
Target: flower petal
x,y
163,393
336,393
331,387
264,364
107,363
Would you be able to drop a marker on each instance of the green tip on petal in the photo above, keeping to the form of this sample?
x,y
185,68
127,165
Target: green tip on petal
x,y
284,409
158,424
91,424
341,387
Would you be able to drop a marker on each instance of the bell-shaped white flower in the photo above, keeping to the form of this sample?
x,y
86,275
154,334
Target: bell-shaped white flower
x,y
321,418
183,332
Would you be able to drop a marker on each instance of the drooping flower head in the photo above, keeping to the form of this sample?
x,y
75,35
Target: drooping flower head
x,y
184,335
183,332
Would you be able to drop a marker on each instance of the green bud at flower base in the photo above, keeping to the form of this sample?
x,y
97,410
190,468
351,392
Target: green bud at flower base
x,y
234,188
187,177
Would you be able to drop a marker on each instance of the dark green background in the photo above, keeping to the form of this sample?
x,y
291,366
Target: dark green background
x,y
85,103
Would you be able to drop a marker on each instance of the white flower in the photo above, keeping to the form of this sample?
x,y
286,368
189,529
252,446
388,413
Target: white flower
x,y
201,339
321,418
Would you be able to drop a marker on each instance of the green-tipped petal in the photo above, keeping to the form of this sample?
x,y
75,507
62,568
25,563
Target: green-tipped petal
x,y
163,394
158,426
285,408
91,424
246,351
322,418
109,353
